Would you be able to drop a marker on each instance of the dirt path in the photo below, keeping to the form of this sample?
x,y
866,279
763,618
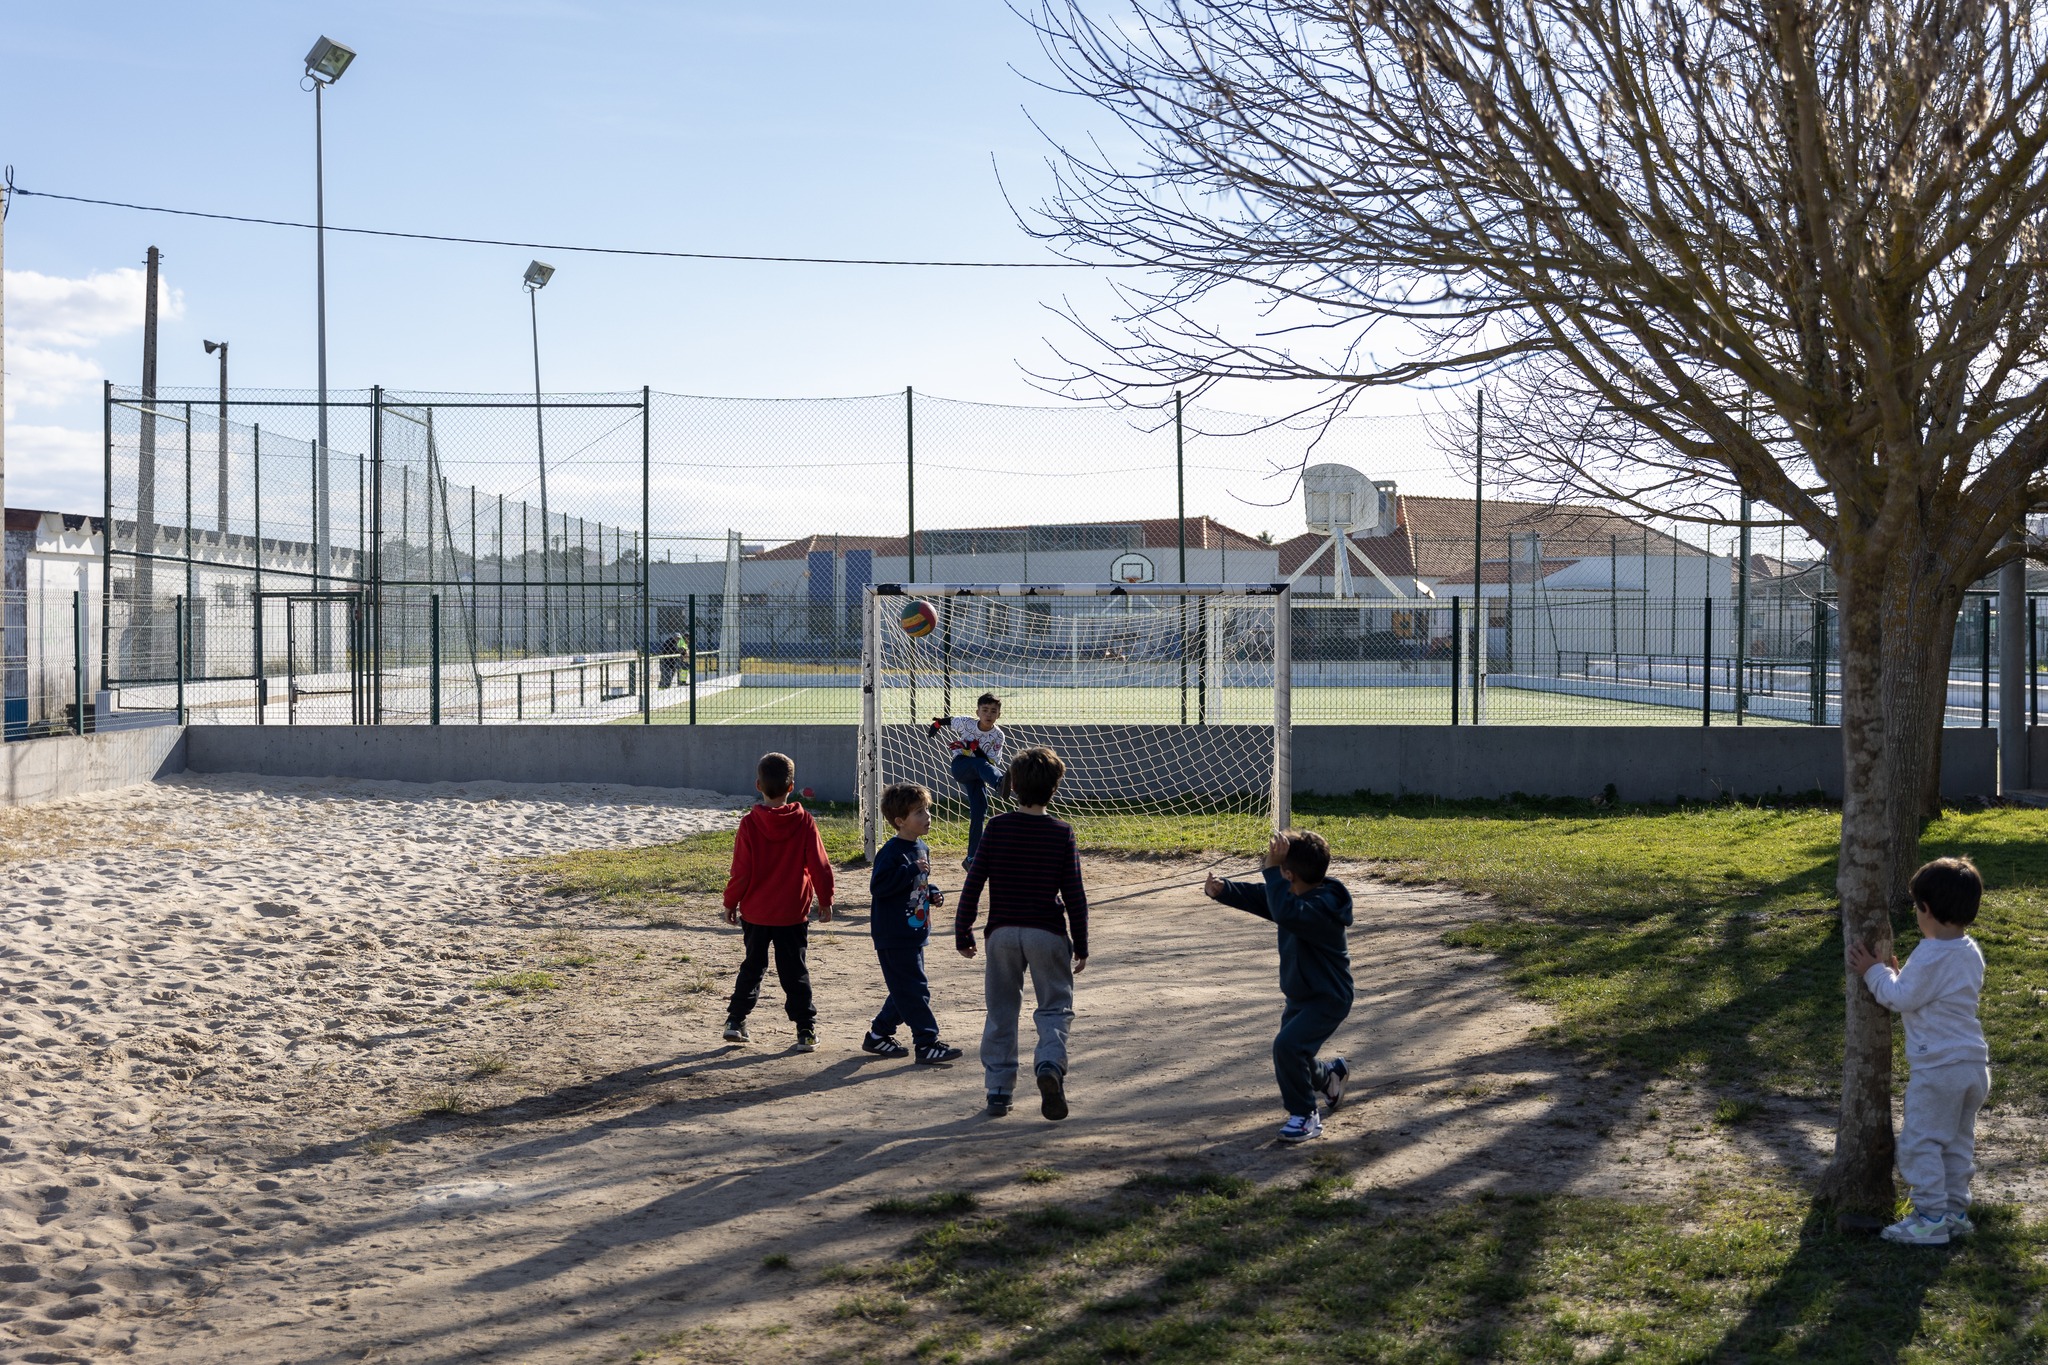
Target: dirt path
x,y
607,1175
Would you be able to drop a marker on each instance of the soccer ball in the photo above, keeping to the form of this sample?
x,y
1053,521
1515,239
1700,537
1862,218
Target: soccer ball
x,y
919,619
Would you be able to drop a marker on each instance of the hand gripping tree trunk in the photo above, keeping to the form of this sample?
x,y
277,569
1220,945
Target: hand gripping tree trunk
x,y
1637,222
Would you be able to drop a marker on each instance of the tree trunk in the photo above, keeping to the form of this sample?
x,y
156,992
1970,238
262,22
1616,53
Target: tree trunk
x,y
1895,626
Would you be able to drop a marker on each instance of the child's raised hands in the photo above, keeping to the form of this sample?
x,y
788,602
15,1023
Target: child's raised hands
x,y
1276,851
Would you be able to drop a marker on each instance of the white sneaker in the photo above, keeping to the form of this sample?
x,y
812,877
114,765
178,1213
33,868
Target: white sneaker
x,y
1302,1127
1959,1224
1332,1088
1918,1230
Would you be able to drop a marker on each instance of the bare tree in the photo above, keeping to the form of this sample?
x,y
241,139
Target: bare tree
x,y
1640,219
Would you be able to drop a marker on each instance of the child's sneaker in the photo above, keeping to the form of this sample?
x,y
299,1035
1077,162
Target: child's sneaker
x,y
998,1105
736,1031
1959,1224
931,1054
1332,1088
1302,1127
883,1047
1052,1093
807,1040
1918,1230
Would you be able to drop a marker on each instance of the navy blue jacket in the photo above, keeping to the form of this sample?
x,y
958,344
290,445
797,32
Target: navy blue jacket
x,y
903,894
1314,962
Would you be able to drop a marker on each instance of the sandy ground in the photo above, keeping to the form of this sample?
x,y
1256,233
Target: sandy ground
x,y
225,1005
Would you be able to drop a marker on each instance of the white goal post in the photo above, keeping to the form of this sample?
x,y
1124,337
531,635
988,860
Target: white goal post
x,y
1161,698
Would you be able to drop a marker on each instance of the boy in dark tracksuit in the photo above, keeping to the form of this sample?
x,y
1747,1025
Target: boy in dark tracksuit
x,y
900,923
1312,912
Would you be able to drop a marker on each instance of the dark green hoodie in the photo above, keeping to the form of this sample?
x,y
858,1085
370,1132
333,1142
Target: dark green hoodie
x,y
1314,962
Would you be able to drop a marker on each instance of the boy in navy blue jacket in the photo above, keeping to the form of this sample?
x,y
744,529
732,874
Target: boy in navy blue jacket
x,y
1312,912
901,922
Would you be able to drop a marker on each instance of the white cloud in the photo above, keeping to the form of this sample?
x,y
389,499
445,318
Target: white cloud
x,y
51,319
51,310
55,468
39,376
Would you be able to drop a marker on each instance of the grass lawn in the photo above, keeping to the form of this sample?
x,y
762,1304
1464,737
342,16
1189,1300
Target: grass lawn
x,y
1162,705
1699,940
1663,937
1213,1269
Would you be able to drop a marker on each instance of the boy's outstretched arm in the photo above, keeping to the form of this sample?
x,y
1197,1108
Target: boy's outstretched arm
x,y
1249,897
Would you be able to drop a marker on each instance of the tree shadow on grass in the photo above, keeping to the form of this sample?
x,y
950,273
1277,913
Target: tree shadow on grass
x,y
1867,1299
1210,1269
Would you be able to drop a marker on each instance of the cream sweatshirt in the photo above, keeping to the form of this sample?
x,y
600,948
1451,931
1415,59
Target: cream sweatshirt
x,y
1936,993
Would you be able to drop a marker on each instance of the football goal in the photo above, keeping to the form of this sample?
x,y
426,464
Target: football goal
x,y
1163,699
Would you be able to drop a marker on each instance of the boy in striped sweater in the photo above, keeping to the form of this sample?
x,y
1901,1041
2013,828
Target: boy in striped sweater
x,y
1037,923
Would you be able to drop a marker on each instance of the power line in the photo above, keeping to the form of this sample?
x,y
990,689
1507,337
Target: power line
x,y
14,190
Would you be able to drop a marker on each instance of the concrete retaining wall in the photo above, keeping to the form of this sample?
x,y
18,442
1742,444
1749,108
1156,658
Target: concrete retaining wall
x,y
716,758
34,770
1644,763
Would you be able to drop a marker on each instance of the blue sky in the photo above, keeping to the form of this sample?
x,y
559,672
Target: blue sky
x,y
799,128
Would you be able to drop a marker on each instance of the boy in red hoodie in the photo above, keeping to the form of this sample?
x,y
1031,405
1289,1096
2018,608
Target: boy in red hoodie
x,y
778,867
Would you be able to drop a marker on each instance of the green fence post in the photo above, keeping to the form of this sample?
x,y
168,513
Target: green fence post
x,y
690,649
1817,667
1707,663
646,555
178,645
78,659
2033,668
1983,668
434,658
1457,655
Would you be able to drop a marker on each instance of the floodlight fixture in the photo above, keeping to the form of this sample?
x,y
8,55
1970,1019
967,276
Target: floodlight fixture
x,y
328,60
538,274
213,346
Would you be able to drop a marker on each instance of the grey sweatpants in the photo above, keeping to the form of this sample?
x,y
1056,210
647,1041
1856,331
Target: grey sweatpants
x,y
1011,951
1937,1147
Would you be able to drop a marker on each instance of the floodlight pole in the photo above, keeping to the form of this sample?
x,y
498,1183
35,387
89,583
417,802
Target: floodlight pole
x,y
540,442
320,473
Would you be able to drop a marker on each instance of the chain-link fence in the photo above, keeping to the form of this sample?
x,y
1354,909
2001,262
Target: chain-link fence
x,y
661,558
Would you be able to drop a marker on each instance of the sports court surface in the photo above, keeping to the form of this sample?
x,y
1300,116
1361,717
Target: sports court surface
x,y
799,705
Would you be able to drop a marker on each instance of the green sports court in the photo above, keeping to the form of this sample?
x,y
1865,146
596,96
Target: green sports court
x,y
800,705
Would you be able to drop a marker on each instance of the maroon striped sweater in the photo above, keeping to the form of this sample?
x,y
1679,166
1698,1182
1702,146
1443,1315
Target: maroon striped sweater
x,y
1033,872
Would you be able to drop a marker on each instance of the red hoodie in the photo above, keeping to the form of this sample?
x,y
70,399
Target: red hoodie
x,y
778,865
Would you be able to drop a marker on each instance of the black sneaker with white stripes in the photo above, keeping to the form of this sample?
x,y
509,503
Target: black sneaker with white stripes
x,y
883,1047
931,1054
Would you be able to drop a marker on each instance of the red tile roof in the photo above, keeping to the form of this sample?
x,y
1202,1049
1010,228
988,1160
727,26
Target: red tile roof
x,y
1155,533
1440,530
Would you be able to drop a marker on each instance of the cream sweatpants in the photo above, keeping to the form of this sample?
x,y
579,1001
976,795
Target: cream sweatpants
x,y
1937,1148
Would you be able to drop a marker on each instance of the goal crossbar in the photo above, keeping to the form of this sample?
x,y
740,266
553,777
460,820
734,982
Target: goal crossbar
x,y
875,672
1079,589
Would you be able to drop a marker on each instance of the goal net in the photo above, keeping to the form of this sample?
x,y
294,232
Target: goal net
x,y
1162,699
